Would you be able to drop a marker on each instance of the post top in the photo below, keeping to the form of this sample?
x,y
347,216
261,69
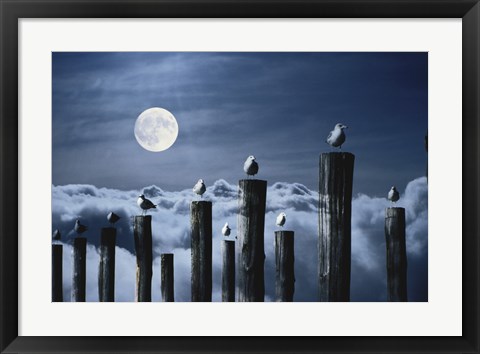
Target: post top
x,y
337,154
393,212
201,202
228,240
284,232
252,180
166,254
145,217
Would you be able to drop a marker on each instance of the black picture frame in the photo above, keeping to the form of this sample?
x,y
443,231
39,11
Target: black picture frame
x,y
12,10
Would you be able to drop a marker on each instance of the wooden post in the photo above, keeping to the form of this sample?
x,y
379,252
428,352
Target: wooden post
x,y
284,260
166,264
335,212
201,227
79,269
57,273
106,271
396,254
252,195
142,233
228,271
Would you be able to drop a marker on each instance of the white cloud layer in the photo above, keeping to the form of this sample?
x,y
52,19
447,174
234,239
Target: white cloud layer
x,y
171,234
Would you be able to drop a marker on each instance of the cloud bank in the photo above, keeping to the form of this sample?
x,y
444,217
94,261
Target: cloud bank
x,y
171,234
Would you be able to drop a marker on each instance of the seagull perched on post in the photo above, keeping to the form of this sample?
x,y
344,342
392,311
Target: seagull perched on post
x,y
250,166
79,228
112,218
199,188
57,235
337,136
393,195
281,218
226,230
145,204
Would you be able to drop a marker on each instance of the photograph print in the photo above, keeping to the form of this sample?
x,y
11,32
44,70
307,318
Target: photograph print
x,y
239,176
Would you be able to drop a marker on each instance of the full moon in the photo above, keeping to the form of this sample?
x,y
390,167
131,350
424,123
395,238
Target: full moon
x,y
156,129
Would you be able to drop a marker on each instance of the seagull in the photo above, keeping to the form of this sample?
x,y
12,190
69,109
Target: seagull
x,y
199,187
145,204
337,136
226,230
57,235
112,218
79,228
250,166
281,218
393,195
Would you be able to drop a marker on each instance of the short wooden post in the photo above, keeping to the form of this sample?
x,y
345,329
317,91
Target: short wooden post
x,y
201,247
396,254
228,271
106,271
166,265
335,212
142,233
79,269
57,273
284,261
252,196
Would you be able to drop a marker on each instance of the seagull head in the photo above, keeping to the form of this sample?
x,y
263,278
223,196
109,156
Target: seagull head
x,y
141,196
283,214
77,222
340,126
251,157
393,188
226,224
200,181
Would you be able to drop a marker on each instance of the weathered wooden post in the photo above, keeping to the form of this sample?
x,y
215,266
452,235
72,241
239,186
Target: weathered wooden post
x,y
228,271
201,228
79,269
142,233
335,211
166,265
106,271
252,196
396,254
57,273
284,261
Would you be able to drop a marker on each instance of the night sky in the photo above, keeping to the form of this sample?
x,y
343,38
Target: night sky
x,y
279,107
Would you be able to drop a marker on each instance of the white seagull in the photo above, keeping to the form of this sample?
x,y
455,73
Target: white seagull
x,y
112,218
281,218
79,228
226,230
57,235
337,136
145,204
199,188
250,166
393,195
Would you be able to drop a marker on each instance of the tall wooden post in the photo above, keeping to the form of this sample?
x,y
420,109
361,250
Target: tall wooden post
x,y
106,271
396,254
335,212
79,269
251,226
57,273
166,264
284,261
142,233
228,271
201,227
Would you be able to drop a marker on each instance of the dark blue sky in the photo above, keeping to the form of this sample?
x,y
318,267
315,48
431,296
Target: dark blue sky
x,y
277,106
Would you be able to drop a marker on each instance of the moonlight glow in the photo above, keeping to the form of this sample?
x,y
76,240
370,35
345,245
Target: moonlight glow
x,y
156,129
